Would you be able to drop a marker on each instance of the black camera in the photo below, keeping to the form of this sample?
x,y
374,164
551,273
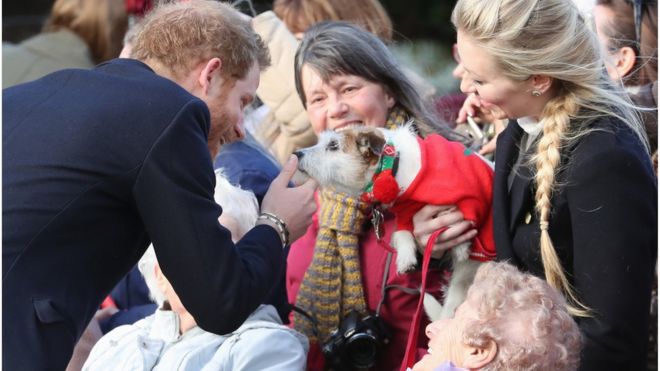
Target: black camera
x,y
356,343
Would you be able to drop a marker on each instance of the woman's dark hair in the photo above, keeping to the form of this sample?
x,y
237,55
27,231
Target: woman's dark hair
x,y
341,48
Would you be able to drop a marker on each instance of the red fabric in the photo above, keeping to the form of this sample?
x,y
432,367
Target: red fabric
x,y
108,302
385,187
452,175
399,306
138,7
412,349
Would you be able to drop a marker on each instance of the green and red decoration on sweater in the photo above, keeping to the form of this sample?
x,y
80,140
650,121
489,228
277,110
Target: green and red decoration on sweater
x,y
383,188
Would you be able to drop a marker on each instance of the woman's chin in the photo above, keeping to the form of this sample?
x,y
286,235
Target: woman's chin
x,y
427,363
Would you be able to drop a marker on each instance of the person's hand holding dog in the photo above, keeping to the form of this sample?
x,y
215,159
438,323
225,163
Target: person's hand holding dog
x,y
296,205
430,218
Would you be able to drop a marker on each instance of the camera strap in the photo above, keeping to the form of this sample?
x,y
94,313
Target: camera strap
x,y
411,346
384,286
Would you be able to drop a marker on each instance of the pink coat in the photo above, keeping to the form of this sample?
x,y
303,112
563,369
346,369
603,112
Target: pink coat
x,y
399,307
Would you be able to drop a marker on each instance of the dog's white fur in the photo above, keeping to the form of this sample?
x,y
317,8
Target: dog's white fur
x,y
340,160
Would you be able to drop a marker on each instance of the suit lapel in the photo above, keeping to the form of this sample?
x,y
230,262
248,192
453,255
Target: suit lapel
x,y
521,196
505,157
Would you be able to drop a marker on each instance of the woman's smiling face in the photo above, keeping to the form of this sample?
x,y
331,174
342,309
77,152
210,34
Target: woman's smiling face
x,y
483,78
344,100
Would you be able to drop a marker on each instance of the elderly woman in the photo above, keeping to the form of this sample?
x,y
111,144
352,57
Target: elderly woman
x,y
347,76
170,338
509,321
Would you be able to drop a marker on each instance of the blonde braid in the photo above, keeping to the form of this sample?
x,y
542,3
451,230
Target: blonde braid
x,y
556,117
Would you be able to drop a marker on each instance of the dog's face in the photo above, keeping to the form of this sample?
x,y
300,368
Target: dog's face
x,y
344,160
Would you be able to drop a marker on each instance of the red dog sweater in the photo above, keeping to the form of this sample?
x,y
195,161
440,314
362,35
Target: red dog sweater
x,y
450,174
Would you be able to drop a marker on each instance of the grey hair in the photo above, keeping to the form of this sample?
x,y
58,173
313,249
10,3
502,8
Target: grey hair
x,y
146,266
238,203
341,48
527,319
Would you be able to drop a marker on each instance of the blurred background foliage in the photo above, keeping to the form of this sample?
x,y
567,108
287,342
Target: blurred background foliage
x,y
423,32
423,39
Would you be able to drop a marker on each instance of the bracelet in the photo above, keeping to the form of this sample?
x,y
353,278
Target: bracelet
x,y
279,224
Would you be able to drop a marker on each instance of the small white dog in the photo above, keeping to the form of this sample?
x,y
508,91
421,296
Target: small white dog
x,y
397,170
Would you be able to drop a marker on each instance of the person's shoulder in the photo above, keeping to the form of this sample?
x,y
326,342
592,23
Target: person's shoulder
x,y
609,134
264,325
137,84
118,343
42,54
610,145
239,157
270,339
134,72
16,63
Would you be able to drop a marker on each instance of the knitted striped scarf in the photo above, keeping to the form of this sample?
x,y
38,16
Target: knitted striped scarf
x,y
332,285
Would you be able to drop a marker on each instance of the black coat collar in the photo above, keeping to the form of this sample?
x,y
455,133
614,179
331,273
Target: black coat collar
x,y
508,206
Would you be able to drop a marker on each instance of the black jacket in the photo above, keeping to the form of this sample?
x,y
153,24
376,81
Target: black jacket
x,y
604,228
95,165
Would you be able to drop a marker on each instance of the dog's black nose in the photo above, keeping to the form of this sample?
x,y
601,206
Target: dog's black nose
x,y
299,154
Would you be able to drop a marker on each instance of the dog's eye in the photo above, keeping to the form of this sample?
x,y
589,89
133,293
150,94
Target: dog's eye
x,y
333,145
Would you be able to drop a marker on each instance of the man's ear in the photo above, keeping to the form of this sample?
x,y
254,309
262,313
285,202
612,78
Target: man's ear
x,y
476,358
541,83
209,72
625,60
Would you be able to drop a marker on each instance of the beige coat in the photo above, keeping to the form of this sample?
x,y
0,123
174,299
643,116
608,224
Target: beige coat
x,y
286,127
42,54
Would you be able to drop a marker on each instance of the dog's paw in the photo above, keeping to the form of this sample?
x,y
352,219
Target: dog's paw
x,y
406,258
461,252
432,307
405,262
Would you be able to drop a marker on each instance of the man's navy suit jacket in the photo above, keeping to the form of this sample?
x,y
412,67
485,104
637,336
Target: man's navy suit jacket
x,y
95,165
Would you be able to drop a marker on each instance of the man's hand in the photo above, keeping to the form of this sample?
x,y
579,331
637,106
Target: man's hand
x,y
295,206
430,218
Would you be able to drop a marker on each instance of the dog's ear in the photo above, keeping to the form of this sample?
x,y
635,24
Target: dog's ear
x,y
371,145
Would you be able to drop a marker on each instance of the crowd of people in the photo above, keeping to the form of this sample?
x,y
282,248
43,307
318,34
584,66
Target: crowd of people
x,y
154,217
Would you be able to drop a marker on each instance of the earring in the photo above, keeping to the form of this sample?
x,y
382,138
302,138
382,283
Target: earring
x,y
536,93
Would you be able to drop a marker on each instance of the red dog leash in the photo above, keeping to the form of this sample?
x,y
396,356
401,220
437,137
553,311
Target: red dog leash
x,y
411,347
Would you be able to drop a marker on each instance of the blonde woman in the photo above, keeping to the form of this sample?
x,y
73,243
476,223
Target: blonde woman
x,y
575,196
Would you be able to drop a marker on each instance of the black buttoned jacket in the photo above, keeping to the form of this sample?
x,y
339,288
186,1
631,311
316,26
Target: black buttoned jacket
x,y
604,228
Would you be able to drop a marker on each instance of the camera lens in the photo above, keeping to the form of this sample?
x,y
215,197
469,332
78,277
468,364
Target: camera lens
x,y
361,350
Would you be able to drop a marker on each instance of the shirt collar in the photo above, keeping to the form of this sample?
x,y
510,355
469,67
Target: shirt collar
x,y
166,326
530,125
